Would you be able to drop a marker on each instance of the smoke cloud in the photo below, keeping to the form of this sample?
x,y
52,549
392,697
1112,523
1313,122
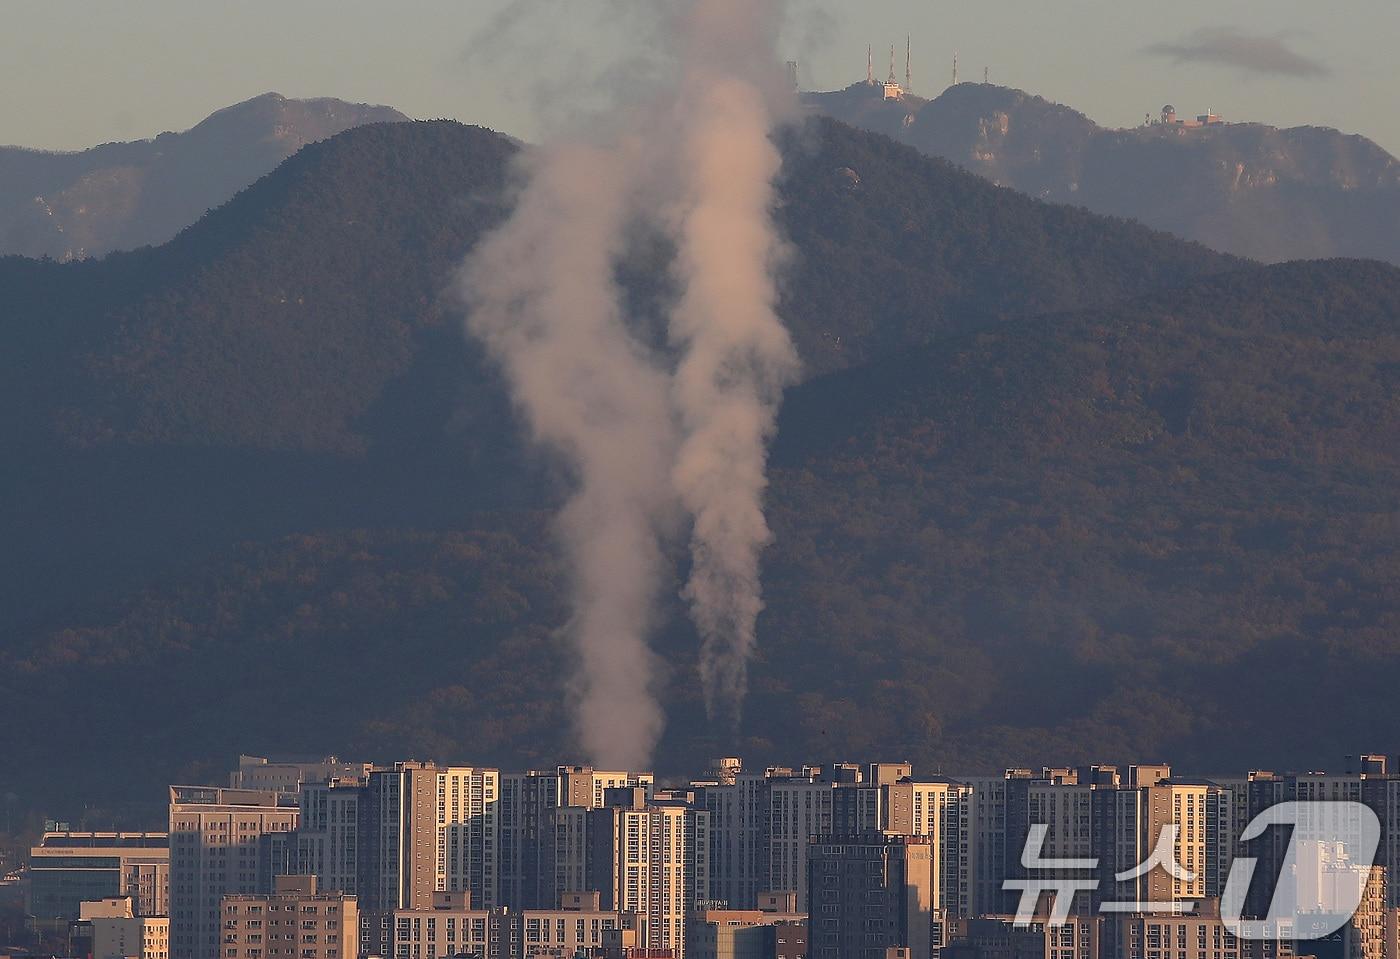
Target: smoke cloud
x,y
1229,47
736,355
543,299
647,437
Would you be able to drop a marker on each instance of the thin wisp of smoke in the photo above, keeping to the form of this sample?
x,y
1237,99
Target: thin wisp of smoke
x,y
736,359
697,163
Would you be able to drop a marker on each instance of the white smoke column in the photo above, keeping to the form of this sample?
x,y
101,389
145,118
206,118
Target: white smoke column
x,y
695,160
544,300
736,355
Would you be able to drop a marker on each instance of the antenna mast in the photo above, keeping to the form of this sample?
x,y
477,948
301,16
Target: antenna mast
x,y
908,64
892,80
955,68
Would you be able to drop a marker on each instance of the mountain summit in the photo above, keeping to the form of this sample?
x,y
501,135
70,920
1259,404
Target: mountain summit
x,y
1243,188
120,196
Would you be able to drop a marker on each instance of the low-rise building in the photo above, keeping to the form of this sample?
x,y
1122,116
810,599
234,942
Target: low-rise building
x,y
451,927
68,868
294,922
132,937
775,930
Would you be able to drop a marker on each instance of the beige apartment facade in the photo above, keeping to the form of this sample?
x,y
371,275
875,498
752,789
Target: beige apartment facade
x,y
222,842
453,927
295,922
130,937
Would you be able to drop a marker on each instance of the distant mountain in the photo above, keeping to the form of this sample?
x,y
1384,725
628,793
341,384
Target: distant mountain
x,y
120,196
1243,188
1055,487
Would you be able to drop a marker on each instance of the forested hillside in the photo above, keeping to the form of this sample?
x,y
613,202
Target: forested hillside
x,y
1055,486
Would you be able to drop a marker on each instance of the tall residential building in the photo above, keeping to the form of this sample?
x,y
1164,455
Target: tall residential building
x,y
800,808
1059,802
468,822
869,894
423,828
940,809
398,848
988,844
222,842
294,921
68,868
327,840
651,859
761,824
1181,806
739,835
525,825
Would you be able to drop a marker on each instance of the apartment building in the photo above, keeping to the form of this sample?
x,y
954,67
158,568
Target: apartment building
x,y
129,937
942,810
1000,937
222,842
452,927
1203,936
775,930
294,921
650,859
525,826
327,840
870,893
397,858
468,803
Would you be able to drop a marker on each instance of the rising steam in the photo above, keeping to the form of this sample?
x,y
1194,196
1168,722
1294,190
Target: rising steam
x,y
545,303
642,438
736,357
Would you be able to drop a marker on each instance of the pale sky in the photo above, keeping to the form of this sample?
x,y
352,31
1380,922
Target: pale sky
x,y
74,74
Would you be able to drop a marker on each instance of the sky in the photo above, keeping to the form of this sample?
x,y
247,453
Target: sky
x,y
80,73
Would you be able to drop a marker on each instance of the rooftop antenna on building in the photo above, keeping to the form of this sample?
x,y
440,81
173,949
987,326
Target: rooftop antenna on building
x,y
908,64
892,79
870,65
955,68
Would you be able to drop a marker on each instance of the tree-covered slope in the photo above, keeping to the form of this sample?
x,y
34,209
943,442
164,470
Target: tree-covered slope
x,y
1055,487
278,321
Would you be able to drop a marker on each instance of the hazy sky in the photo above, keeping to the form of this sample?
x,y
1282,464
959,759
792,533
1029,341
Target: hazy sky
x,y
79,73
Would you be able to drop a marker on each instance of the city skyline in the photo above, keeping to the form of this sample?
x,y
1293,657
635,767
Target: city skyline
x,y
421,860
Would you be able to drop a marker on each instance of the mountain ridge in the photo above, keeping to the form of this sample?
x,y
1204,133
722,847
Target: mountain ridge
x,y
125,195
1037,450
1230,186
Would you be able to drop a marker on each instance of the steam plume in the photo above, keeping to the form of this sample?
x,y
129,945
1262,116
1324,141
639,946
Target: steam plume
x,y
697,163
736,355
545,303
